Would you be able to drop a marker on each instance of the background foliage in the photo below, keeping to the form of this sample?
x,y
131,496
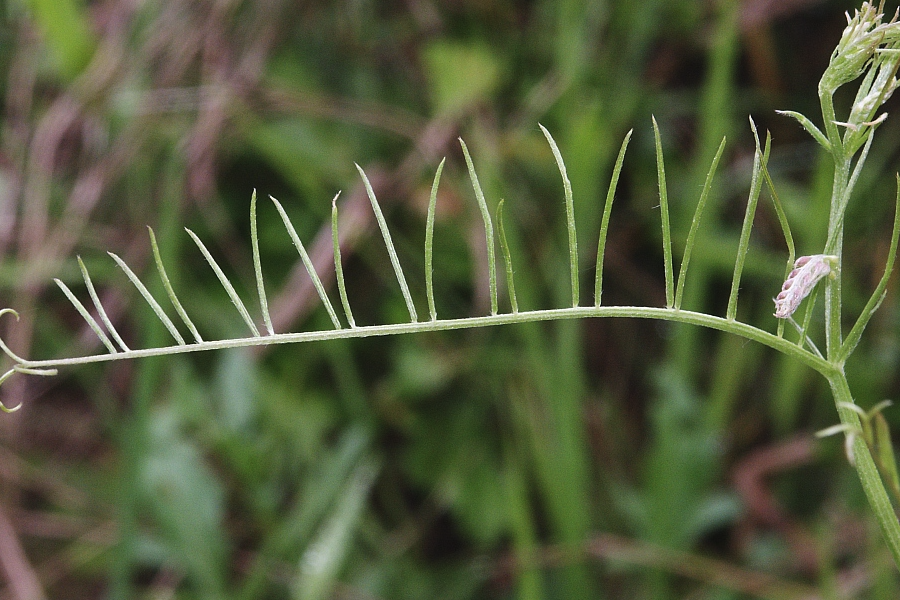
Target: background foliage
x,y
596,459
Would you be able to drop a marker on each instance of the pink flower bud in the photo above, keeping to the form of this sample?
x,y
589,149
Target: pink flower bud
x,y
808,270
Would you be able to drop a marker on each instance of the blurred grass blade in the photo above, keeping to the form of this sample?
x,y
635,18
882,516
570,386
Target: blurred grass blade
x,y
338,263
507,259
100,310
87,317
759,159
664,217
488,227
429,242
885,449
389,243
304,256
235,299
517,496
257,267
695,224
607,211
169,290
150,300
322,560
570,215
323,488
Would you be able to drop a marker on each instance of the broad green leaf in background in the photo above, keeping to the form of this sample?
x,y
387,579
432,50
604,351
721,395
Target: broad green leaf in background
x,y
320,562
187,501
460,75
67,32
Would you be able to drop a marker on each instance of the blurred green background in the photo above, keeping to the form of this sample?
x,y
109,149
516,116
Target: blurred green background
x,y
571,460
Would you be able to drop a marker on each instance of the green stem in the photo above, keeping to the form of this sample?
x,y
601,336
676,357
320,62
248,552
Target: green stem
x,y
582,312
871,481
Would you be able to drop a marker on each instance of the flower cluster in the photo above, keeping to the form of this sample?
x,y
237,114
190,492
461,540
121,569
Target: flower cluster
x,y
808,270
864,40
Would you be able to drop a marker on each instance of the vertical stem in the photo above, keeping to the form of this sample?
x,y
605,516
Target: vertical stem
x,y
869,477
833,287
871,481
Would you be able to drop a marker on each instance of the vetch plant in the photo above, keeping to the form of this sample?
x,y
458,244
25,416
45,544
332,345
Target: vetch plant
x,y
869,50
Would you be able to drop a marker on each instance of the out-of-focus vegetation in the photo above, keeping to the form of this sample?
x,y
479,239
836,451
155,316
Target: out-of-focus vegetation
x,y
572,460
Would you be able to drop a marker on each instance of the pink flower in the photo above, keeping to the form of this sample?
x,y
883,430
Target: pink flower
x,y
808,270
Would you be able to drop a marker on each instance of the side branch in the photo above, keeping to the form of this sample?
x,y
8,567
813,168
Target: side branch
x,y
635,312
